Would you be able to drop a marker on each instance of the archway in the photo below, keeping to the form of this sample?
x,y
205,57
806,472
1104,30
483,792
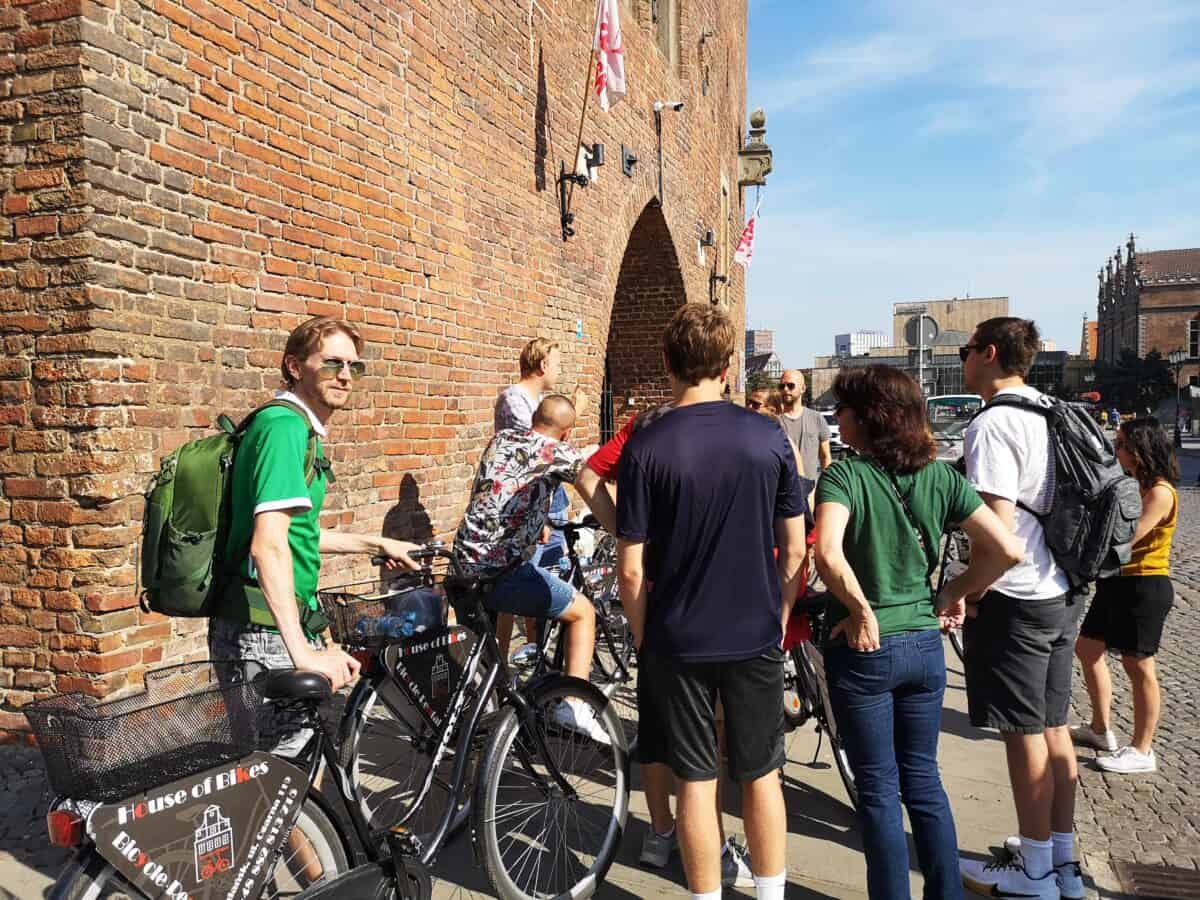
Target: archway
x,y
649,289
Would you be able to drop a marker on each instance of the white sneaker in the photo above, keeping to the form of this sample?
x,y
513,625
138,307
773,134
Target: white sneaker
x,y
735,865
1128,761
575,715
1006,877
657,848
1070,881
1084,736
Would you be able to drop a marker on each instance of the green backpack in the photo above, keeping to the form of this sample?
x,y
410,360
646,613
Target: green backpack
x,y
187,517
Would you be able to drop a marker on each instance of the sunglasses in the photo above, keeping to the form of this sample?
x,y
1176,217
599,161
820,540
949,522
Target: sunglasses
x,y
789,385
965,350
754,404
332,368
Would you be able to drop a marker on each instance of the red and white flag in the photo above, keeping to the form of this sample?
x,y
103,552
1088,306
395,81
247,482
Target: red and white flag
x,y
610,54
745,248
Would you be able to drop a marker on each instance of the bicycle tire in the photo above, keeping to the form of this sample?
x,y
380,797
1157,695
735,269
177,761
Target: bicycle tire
x,y
811,663
88,876
387,759
500,817
956,641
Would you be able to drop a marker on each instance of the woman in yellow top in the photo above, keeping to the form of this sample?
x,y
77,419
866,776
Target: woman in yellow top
x,y
1128,611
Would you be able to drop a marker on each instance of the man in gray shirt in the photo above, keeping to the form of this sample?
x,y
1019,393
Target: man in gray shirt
x,y
806,427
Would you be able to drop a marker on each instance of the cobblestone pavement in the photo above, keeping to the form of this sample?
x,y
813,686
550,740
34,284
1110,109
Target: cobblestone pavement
x,y
1153,819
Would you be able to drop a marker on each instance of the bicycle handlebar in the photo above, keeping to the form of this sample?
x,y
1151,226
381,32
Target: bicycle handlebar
x,y
588,523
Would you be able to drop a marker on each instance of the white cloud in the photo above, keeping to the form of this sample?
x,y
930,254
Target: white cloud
x,y
1067,77
820,273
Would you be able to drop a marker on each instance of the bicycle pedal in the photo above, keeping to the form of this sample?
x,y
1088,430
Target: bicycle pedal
x,y
403,842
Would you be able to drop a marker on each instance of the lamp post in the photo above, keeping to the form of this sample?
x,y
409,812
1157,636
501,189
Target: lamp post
x,y
1175,358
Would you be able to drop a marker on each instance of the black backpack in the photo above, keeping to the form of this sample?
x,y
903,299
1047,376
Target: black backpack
x,y
1095,506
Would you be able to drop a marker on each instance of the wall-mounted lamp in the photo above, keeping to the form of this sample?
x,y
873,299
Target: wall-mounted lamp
x,y
708,240
628,161
593,158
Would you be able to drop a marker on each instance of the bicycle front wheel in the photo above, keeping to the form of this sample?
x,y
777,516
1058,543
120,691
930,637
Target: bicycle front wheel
x,y
536,840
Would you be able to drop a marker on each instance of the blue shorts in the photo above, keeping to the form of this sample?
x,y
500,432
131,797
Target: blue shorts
x,y
530,591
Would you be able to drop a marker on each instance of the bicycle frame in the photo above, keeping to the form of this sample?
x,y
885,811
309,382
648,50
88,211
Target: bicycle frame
x,y
496,678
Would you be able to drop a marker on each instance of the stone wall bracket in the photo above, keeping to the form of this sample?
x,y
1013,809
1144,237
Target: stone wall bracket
x,y
754,160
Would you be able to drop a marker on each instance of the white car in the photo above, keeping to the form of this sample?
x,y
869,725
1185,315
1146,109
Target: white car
x,y
949,415
836,447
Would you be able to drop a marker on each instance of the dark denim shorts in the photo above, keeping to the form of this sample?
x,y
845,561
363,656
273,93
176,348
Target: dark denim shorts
x,y
531,591
1018,656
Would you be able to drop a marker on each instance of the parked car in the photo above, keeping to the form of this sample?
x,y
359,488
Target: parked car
x,y
948,416
836,447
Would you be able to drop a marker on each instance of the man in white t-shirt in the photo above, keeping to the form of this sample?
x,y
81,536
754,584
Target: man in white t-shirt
x,y
1020,635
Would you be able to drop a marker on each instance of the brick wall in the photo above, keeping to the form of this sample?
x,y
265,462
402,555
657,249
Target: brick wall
x,y
183,181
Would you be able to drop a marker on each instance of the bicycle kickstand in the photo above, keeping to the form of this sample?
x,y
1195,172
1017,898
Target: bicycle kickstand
x,y
820,737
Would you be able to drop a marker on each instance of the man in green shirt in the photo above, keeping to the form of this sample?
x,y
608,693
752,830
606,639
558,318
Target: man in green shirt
x,y
266,614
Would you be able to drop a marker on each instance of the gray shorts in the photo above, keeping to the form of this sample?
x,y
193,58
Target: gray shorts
x,y
1018,657
281,731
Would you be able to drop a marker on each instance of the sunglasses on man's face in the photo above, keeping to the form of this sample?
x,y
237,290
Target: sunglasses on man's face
x,y
787,385
332,367
754,404
965,350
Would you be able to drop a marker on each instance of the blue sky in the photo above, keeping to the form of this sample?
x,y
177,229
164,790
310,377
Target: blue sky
x,y
930,148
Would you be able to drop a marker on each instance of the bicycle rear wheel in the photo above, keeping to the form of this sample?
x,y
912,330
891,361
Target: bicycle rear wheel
x,y
534,840
316,855
810,666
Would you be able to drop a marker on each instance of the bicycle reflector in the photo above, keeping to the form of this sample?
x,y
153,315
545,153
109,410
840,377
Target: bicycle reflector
x,y
65,827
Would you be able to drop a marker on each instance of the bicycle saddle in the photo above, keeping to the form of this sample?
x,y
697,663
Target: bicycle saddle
x,y
295,684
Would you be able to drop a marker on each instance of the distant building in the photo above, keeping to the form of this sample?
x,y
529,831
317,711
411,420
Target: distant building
x,y
759,341
1150,301
1087,341
941,369
954,314
767,364
857,343
1047,346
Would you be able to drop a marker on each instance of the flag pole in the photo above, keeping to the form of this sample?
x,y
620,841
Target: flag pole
x,y
587,95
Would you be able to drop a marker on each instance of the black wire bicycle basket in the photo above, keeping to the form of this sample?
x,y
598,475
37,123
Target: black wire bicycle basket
x,y
372,613
188,718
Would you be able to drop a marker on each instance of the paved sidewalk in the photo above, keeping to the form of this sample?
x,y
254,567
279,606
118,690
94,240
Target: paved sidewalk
x,y
824,849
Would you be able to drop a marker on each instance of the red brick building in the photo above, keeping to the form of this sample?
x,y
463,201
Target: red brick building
x,y
185,180
1150,301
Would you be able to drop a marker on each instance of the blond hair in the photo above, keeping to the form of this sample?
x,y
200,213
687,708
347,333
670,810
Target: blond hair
x,y
535,354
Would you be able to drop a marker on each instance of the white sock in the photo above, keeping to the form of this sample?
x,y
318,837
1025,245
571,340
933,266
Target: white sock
x,y
1037,857
708,895
770,887
1064,847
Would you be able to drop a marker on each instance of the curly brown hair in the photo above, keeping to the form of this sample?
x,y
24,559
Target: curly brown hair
x,y
891,411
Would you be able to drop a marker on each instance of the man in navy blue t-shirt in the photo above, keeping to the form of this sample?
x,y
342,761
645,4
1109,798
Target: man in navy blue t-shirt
x,y
704,498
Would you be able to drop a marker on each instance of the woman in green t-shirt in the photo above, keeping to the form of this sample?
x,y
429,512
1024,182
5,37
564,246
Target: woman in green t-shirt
x,y
880,518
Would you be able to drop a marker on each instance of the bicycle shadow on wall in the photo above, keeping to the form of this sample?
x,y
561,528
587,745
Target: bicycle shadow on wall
x,y
408,520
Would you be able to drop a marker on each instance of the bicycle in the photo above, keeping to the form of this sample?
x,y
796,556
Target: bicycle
x,y
430,708
168,794
956,554
614,658
805,691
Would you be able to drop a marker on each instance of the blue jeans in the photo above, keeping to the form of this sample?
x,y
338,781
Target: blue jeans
x,y
546,556
888,707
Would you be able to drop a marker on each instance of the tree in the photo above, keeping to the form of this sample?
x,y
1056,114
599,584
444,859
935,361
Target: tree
x,y
759,380
1134,384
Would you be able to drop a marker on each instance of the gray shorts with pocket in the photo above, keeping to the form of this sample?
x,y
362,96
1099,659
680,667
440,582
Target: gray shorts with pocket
x,y
281,731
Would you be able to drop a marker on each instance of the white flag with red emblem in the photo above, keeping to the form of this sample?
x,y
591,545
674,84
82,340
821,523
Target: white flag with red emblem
x,y
610,54
745,248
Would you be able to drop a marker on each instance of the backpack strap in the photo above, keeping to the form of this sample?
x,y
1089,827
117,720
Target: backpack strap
x,y
312,463
1045,410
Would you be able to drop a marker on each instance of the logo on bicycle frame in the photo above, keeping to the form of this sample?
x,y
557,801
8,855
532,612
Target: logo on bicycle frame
x,y
213,844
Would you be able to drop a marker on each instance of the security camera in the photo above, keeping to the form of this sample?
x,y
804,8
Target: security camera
x,y
673,105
